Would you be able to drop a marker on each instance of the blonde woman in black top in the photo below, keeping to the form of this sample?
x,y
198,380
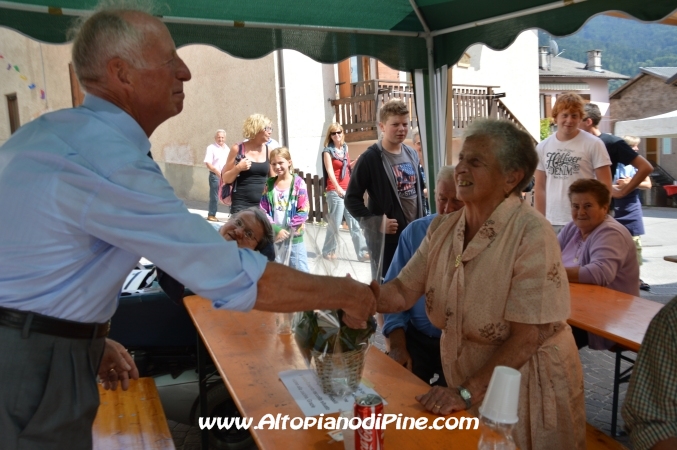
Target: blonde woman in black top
x,y
248,164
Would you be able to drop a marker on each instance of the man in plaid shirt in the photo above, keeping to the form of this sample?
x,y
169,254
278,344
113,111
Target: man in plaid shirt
x,y
650,409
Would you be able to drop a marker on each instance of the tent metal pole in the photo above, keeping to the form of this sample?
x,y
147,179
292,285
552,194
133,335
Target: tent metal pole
x,y
434,120
514,15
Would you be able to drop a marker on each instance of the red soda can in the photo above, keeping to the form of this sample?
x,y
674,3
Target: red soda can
x,y
369,408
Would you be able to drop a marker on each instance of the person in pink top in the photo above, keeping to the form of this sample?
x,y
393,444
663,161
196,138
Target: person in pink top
x,y
336,168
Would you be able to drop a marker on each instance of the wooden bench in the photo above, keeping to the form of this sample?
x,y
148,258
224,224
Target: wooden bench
x,y
132,419
595,439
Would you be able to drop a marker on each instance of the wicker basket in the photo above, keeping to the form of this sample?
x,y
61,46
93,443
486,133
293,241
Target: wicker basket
x,y
339,373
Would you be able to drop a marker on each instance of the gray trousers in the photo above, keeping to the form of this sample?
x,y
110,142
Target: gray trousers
x,y
48,392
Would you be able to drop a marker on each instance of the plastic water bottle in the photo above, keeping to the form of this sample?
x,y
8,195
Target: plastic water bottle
x,y
498,413
495,435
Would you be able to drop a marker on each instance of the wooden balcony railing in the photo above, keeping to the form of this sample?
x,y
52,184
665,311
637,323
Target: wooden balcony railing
x,y
470,102
358,114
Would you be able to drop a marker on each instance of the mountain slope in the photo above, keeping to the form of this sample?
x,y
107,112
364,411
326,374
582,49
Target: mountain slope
x,y
626,45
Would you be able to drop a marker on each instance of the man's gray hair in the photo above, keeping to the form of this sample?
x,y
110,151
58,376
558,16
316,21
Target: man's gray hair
x,y
220,130
593,113
514,148
446,174
415,132
107,34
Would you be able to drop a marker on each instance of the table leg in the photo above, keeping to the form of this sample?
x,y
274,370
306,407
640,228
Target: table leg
x,y
617,382
619,377
202,375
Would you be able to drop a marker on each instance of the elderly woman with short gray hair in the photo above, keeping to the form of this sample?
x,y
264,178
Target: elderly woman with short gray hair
x,y
494,283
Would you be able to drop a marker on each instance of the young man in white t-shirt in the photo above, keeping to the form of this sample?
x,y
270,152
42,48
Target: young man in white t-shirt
x,y
568,155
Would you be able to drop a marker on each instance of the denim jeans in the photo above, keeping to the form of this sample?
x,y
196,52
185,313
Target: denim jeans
x,y
213,193
299,257
336,212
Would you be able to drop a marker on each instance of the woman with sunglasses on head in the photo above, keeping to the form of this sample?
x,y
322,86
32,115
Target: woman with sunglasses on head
x,y
248,164
336,168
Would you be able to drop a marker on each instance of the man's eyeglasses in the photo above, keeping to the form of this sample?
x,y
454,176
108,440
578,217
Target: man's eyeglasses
x,y
268,129
417,143
248,233
334,133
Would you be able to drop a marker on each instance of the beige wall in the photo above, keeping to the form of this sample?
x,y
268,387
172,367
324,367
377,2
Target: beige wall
x,y
514,69
648,96
309,85
222,93
44,65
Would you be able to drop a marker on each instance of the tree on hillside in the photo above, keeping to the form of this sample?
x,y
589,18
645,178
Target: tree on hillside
x,y
626,45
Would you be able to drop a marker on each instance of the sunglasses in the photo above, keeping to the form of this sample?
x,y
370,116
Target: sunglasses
x,y
334,133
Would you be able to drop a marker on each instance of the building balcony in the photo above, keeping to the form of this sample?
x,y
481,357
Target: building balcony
x,y
358,114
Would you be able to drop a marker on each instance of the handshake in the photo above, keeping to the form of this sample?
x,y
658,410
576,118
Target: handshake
x,y
362,303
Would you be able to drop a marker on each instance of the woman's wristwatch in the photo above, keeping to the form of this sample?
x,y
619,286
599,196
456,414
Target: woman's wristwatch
x,y
465,395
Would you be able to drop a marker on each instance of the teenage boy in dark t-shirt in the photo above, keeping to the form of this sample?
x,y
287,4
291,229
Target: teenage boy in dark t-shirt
x,y
619,152
388,172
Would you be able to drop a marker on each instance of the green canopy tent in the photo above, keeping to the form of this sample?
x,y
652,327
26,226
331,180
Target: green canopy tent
x,y
420,36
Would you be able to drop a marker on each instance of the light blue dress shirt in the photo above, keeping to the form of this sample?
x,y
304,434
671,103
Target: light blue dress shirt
x,y
81,202
410,240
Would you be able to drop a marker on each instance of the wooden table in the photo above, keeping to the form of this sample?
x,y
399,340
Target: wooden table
x,y
672,258
619,317
249,355
131,419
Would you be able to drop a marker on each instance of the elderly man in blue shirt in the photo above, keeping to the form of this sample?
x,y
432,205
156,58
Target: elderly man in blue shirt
x,y
414,341
82,201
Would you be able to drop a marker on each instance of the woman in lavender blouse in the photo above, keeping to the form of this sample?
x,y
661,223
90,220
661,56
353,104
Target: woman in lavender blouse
x,y
596,249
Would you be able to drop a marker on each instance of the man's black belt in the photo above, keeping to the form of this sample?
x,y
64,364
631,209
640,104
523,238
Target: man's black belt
x,y
38,323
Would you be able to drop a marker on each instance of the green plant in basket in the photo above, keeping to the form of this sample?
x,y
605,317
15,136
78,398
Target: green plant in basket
x,y
324,331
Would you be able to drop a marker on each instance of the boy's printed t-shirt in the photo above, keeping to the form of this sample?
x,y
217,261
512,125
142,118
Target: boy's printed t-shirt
x,y
404,172
564,163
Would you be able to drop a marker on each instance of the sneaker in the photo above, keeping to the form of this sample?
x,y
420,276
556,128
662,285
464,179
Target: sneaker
x,y
644,286
212,219
330,256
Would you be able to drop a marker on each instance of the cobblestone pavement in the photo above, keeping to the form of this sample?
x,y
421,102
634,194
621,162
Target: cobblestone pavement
x,y
598,366
185,437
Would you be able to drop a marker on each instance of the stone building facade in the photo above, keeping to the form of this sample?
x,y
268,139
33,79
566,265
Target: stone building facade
x,y
649,94
645,95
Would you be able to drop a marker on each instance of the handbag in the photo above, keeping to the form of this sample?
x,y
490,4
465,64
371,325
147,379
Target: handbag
x,y
226,189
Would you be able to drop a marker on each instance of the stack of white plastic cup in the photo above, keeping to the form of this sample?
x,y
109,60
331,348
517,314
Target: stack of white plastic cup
x,y
502,398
